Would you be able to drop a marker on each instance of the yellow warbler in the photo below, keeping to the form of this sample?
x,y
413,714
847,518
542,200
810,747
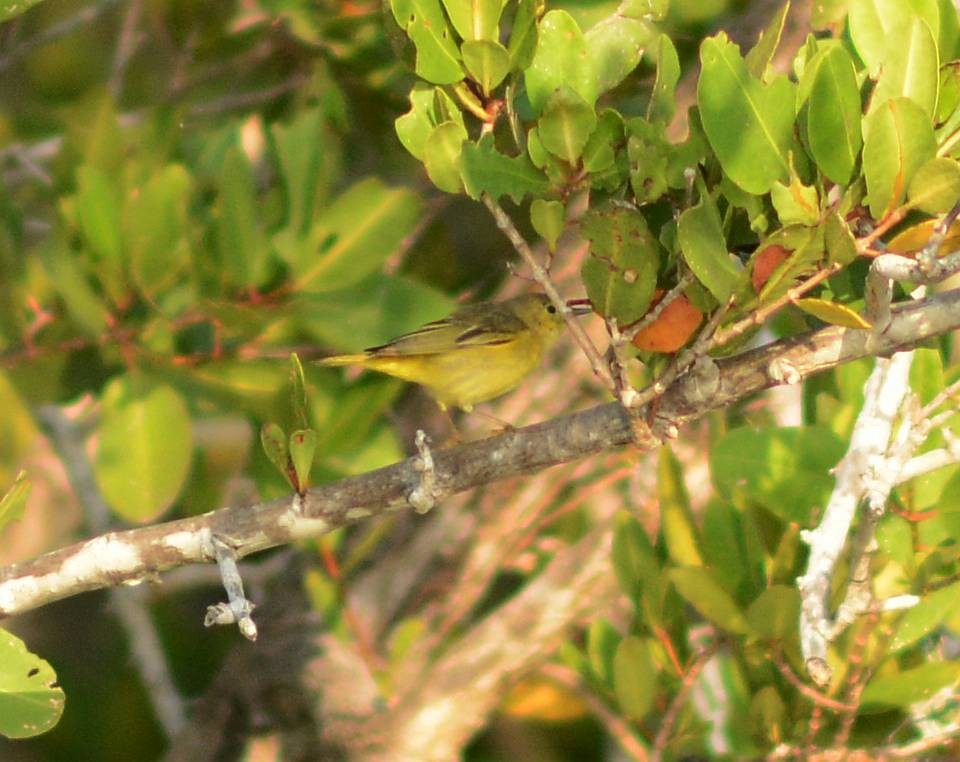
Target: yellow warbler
x,y
477,353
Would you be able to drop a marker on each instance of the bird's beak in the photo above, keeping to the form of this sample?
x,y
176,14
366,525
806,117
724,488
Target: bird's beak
x,y
580,306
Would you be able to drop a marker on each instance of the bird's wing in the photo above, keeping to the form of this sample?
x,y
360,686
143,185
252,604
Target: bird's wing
x,y
471,326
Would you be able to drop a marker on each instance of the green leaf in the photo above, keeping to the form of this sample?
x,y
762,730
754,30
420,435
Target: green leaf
x,y
145,448
155,230
775,613
724,545
832,313
303,446
897,140
634,677
523,35
620,274
565,124
909,686
796,203
438,59
911,69
634,559
925,617
380,307
704,247
648,152
877,26
429,107
599,154
299,392
309,163
839,241
243,249
833,115
663,98
749,124
602,642
761,54
353,236
441,156
487,61
698,587
486,170
561,58
11,8
98,212
83,304
14,500
474,19
274,443
615,46
935,186
548,219
31,702
676,517
785,470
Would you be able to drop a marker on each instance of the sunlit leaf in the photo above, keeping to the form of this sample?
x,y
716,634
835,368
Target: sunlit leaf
x,y
31,701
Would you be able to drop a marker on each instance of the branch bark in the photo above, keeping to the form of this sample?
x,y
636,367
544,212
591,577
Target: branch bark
x,y
139,554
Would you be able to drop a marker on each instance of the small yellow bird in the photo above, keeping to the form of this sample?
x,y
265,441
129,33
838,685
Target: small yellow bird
x,y
475,354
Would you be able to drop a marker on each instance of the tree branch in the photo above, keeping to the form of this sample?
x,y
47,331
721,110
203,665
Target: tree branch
x,y
138,554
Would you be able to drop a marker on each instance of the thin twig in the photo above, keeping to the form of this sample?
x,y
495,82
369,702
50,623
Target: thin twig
x,y
765,313
679,700
87,15
543,278
126,46
808,691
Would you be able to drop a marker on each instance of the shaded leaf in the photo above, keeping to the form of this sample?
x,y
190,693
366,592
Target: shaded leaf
x,y
908,686
486,170
786,470
775,612
704,247
14,500
634,677
303,446
676,517
621,272
353,236
698,587
761,54
565,124
663,98
548,219
441,156
145,448
925,617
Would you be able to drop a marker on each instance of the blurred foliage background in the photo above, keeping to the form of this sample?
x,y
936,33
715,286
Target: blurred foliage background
x,y
191,192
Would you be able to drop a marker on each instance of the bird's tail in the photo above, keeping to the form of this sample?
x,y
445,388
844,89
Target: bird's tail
x,y
338,360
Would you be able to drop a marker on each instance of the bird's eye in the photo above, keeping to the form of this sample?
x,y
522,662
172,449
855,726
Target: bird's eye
x,y
551,309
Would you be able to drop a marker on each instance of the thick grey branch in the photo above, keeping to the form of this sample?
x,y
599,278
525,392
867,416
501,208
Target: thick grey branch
x,y
137,554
